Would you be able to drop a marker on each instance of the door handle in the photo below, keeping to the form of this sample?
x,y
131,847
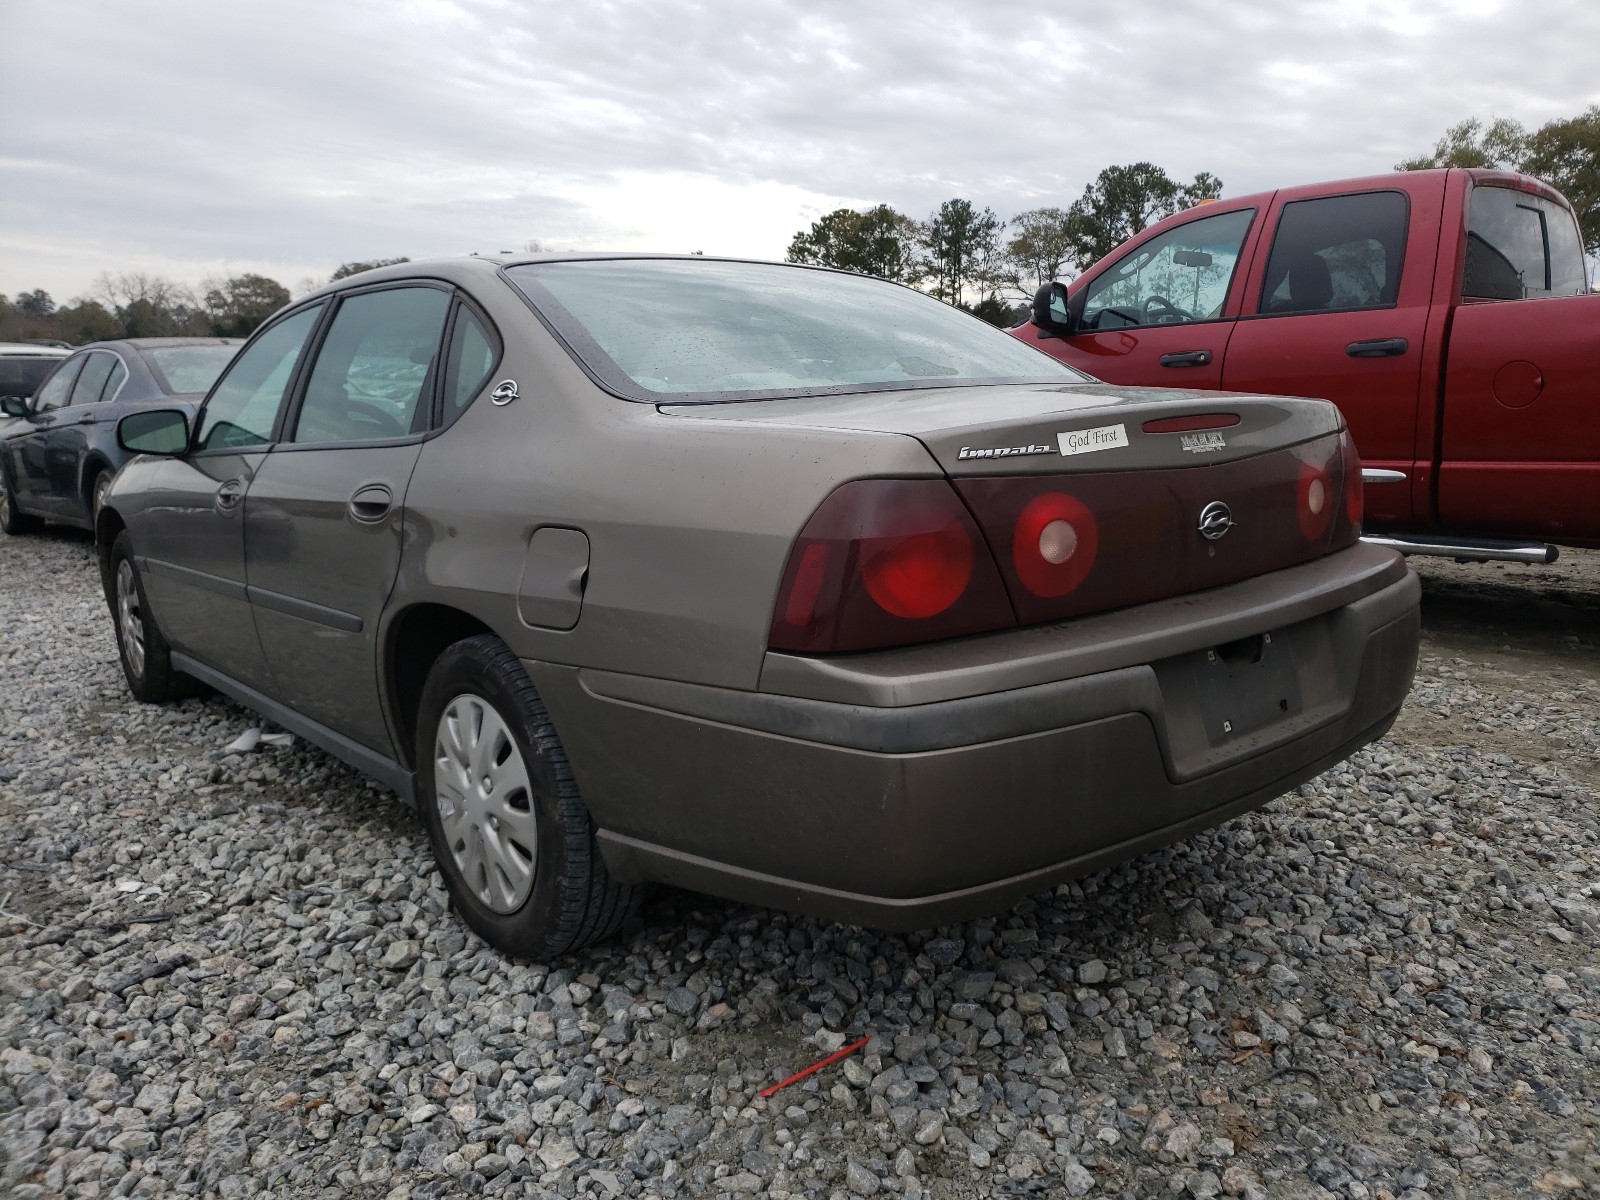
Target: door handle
x,y
371,504
88,420
1377,348
1187,358
229,494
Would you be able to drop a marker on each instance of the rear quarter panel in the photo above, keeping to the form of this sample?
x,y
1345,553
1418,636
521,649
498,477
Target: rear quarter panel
x,y
689,522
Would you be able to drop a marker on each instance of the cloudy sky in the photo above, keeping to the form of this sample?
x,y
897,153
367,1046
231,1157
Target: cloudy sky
x,y
198,138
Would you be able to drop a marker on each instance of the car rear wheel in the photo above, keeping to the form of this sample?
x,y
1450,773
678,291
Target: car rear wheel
x,y
98,494
146,657
12,519
511,835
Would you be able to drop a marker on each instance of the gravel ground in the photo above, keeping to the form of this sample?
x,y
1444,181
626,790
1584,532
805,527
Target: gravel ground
x,y
237,976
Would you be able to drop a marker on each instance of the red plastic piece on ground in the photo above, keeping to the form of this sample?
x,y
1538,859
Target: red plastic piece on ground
x,y
845,1052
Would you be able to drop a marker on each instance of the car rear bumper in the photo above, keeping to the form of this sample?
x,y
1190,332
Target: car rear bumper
x,y
1145,727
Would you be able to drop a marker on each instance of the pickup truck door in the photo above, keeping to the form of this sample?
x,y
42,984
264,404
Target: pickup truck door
x,y
1520,444
1161,311
1338,307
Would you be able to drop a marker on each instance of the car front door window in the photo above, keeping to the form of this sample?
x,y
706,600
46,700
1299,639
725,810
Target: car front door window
x,y
56,389
1180,277
243,408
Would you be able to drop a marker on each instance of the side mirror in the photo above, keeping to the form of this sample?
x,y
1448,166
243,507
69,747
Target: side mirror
x,y
13,406
1051,311
156,431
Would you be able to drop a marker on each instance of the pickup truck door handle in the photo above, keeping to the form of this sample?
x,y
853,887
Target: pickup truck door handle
x,y
1377,348
229,494
1187,358
371,504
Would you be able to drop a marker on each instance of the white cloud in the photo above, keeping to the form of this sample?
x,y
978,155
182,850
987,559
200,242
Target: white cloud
x,y
178,135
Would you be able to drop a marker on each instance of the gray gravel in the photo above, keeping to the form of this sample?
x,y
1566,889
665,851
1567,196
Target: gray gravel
x,y
238,976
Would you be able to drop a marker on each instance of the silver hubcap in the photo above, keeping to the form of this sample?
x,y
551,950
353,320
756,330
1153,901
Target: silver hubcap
x,y
101,488
130,619
486,803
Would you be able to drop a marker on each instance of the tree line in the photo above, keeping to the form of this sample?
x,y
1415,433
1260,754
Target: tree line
x,y
960,253
971,258
137,304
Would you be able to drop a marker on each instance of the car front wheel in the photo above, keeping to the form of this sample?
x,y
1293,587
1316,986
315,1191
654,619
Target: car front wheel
x,y
511,835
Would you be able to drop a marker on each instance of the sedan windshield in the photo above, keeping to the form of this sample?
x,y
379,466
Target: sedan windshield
x,y
185,369
711,330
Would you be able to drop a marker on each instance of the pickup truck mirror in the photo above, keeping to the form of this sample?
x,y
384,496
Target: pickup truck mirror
x,y
1051,311
163,431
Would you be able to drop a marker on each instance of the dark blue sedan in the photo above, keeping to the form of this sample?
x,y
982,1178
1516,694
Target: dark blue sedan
x,y
58,456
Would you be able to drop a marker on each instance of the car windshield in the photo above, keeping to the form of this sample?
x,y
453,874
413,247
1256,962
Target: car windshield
x,y
707,331
185,369
21,374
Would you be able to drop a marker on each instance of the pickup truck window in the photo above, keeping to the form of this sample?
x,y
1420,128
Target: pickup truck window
x,y
1336,254
1174,279
1520,246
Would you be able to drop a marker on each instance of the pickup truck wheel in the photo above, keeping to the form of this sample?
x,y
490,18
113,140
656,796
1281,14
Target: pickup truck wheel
x,y
146,657
510,833
12,519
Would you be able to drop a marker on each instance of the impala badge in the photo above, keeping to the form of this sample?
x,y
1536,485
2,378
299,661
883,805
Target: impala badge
x,y
504,392
1215,520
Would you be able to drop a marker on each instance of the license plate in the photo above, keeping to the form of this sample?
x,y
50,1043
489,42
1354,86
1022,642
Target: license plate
x,y
1245,685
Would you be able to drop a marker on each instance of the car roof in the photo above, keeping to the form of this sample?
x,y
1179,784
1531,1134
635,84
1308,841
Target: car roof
x,y
469,266
20,349
162,343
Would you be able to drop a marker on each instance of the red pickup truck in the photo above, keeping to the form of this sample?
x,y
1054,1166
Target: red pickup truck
x,y
1446,313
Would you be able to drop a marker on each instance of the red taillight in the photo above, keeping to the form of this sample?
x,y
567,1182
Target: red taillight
x,y
1054,544
1354,490
1315,499
885,562
918,575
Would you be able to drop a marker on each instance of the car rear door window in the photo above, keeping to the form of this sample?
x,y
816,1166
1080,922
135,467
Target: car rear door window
x,y
1521,246
374,367
1174,279
244,406
92,379
1337,254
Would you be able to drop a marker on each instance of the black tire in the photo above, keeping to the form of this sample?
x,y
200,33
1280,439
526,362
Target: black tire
x,y
12,519
572,900
101,484
150,674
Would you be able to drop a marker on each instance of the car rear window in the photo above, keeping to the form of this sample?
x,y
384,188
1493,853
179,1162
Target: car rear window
x,y
711,330
21,374
184,369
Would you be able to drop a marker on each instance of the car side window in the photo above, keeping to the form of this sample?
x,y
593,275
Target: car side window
x,y
119,373
244,405
374,367
56,389
1337,254
1174,279
92,379
473,351
1521,246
